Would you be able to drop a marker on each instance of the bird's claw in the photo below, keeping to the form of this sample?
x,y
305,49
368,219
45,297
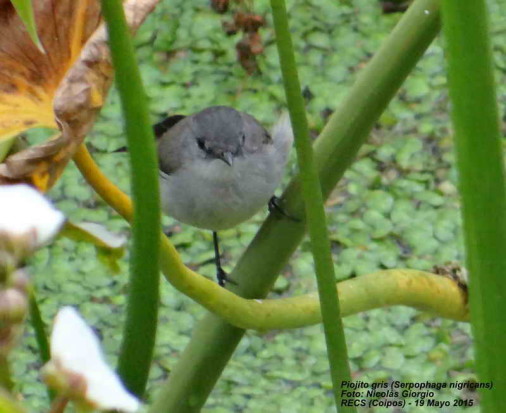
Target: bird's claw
x,y
223,278
274,205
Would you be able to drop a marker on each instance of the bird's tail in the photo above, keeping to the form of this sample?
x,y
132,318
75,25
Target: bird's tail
x,y
282,133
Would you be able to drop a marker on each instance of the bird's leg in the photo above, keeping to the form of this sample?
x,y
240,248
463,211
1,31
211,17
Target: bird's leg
x,y
221,275
274,205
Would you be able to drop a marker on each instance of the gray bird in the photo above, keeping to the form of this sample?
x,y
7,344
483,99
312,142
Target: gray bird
x,y
218,167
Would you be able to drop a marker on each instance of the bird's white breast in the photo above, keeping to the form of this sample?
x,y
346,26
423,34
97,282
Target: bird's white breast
x,y
212,195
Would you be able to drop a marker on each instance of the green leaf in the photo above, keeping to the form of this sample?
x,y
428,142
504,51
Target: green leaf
x,y
25,13
392,358
93,233
110,247
5,146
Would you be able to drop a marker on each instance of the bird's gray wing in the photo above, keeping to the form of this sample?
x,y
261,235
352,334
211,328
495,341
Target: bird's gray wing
x,y
171,143
159,128
163,126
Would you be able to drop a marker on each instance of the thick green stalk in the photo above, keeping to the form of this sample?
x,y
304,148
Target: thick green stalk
x,y
431,293
142,308
482,186
213,340
315,212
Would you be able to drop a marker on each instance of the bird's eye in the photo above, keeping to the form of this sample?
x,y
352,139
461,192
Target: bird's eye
x,y
243,139
201,143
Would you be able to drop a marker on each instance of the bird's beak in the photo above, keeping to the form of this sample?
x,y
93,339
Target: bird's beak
x,y
227,157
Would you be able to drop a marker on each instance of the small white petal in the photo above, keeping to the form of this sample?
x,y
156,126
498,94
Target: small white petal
x,y
73,342
23,209
107,392
76,348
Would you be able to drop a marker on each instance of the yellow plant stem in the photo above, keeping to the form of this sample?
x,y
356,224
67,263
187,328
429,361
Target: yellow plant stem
x,y
418,289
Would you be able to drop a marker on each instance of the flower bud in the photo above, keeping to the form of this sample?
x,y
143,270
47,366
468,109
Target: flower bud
x,y
8,337
77,368
20,281
27,220
13,306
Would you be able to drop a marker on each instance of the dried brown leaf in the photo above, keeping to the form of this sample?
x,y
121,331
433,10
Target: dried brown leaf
x,y
66,87
28,77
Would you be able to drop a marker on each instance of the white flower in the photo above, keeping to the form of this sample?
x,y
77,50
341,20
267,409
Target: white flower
x,y
76,359
24,211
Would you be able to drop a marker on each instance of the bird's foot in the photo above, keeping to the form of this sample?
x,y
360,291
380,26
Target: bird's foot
x,y
274,205
223,278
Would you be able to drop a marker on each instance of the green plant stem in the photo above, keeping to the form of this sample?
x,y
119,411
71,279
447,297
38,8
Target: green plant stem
x,y
214,341
5,373
40,330
337,352
142,308
424,291
482,186
40,334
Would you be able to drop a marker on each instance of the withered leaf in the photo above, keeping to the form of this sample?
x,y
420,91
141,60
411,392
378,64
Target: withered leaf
x,y
64,88
28,77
